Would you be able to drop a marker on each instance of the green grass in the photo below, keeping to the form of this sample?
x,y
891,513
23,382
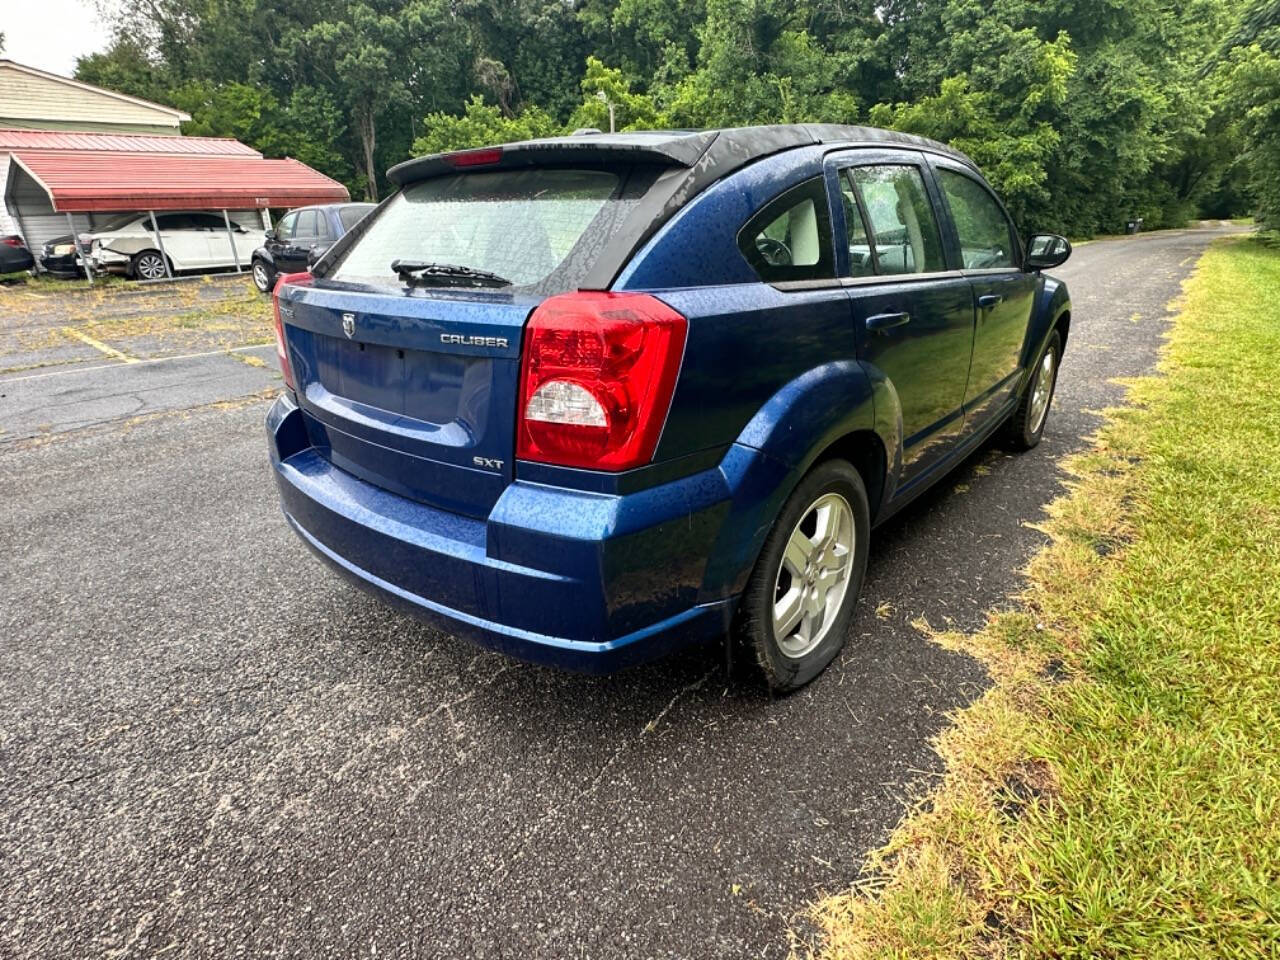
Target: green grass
x,y
46,282
1124,802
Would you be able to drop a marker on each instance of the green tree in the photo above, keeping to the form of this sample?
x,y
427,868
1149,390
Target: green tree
x,y
604,87
1084,114
654,42
1248,82
1007,127
1125,136
126,67
758,62
481,125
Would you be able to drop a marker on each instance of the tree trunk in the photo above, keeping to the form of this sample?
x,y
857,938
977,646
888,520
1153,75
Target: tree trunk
x,y
368,140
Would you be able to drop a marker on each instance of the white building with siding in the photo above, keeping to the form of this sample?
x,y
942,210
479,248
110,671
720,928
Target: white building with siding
x,y
32,99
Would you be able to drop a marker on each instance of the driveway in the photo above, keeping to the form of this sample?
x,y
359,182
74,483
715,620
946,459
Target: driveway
x,y
209,745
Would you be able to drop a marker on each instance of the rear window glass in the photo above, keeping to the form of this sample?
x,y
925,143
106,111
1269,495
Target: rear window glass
x,y
519,224
350,216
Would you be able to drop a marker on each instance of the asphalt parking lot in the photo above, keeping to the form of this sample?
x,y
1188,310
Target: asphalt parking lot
x,y
211,746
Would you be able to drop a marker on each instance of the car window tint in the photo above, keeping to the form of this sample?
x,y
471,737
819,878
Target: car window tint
x,y
352,215
128,221
790,238
173,221
902,221
308,225
986,240
520,224
208,221
861,263
284,229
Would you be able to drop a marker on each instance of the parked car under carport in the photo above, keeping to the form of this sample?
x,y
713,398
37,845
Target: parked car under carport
x,y
86,178
190,241
14,255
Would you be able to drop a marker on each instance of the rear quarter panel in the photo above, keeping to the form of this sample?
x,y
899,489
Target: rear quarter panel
x,y
770,376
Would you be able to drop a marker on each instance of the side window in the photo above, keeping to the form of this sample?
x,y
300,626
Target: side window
x,y
903,227
208,221
284,229
308,225
173,221
861,263
986,238
790,238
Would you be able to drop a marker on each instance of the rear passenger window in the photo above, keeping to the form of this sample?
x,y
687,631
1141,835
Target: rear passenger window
x,y
903,227
308,225
986,240
861,263
790,238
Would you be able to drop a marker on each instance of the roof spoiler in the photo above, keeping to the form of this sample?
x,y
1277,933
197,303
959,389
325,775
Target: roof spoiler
x,y
679,149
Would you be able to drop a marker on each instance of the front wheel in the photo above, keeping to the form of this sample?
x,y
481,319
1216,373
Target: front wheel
x,y
1026,426
795,613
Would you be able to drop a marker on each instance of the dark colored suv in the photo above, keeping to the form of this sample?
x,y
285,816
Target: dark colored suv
x,y
301,237
590,398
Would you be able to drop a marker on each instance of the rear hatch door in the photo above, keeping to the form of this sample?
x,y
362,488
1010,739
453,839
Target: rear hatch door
x,y
415,393
409,381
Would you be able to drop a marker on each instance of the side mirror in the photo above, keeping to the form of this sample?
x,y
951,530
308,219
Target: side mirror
x,y
269,236
1046,251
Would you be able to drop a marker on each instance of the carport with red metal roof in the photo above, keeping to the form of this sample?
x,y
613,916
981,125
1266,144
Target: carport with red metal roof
x,y
83,173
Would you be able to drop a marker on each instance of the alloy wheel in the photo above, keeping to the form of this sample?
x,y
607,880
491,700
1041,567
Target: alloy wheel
x,y
150,266
260,278
1042,390
814,575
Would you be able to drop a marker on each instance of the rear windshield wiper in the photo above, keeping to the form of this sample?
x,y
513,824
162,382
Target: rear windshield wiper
x,y
446,274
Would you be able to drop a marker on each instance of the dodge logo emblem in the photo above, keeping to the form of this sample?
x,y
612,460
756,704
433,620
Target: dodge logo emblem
x,y
348,323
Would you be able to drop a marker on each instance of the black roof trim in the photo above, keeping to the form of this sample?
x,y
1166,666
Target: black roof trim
x,y
722,150
664,148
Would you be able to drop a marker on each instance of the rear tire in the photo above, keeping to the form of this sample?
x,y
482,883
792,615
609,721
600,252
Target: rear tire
x,y
795,612
1026,427
264,278
148,265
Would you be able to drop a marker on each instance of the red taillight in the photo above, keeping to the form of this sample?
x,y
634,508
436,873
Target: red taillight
x,y
12,240
288,279
473,158
596,380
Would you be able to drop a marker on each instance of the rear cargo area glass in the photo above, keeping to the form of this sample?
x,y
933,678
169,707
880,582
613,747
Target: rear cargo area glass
x,y
518,224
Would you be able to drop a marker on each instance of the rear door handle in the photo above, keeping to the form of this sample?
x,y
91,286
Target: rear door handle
x,y
886,321
989,300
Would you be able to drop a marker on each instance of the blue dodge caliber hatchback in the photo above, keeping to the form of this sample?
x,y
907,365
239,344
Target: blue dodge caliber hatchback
x,y
590,398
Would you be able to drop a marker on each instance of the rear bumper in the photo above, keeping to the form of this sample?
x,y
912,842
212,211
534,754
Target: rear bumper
x,y
108,261
576,580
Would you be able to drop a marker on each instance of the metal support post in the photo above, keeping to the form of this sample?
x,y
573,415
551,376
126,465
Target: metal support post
x,y
160,243
81,255
235,254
